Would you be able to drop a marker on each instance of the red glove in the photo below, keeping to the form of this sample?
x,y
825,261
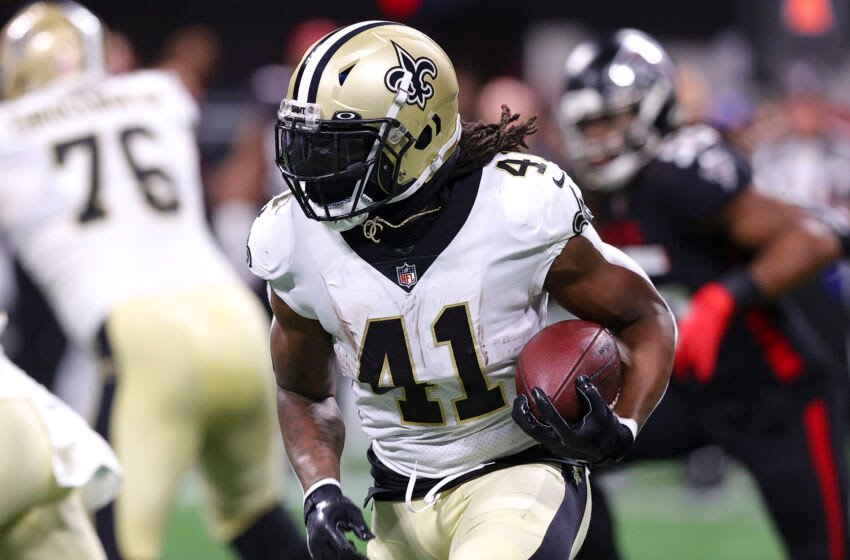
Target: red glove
x,y
703,329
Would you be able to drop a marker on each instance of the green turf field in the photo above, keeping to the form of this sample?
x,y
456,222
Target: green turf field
x,y
659,519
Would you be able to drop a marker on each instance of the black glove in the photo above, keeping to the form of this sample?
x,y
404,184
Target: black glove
x,y
598,438
328,515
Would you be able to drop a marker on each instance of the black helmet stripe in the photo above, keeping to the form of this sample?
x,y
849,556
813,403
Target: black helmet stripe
x,y
325,49
304,64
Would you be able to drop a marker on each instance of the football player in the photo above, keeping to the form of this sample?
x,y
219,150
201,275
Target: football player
x,y
54,469
418,251
101,199
749,374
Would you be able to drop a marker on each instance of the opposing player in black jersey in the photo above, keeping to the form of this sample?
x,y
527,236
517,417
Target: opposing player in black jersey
x,y
748,374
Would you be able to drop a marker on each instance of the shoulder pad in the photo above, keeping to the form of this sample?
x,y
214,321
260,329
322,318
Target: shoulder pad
x,y
539,195
271,242
701,150
681,146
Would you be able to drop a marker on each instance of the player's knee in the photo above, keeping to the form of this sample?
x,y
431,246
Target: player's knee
x,y
236,512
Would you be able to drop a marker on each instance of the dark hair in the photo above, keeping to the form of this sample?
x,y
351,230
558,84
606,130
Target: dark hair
x,y
479,142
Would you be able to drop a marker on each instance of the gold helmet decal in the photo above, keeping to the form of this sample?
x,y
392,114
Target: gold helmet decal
x,y
418,90
370,116
47,41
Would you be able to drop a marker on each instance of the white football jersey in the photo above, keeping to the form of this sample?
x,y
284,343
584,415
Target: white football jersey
x,y
431,339
100,194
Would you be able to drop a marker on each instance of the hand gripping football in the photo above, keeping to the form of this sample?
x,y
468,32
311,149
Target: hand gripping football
x,y
558,354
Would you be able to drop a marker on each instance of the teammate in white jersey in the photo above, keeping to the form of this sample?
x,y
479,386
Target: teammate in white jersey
x,y
54,469
419,251
101,199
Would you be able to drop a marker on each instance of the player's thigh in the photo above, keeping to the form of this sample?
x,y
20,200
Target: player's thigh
x,y
801,472
59,529
242,454
26,472
155,421
537,511
401,533
155,454
243,466
522,512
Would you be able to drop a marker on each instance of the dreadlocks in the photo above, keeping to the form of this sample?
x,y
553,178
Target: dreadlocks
x,y
479,142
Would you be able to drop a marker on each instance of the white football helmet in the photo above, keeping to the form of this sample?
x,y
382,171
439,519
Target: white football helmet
x,y
48,41
371,114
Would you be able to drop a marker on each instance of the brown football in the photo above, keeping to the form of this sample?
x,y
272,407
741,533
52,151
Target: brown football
x,y
558,354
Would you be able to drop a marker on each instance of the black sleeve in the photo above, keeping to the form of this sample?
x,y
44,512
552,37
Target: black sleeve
x,y
696,190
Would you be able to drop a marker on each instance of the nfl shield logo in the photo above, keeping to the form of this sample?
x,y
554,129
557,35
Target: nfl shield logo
x,y
406,275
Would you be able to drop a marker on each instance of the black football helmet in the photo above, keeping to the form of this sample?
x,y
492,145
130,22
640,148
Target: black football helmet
x,y
626,82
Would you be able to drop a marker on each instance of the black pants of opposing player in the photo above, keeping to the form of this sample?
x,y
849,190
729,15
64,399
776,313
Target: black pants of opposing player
x,y
799,467
274,535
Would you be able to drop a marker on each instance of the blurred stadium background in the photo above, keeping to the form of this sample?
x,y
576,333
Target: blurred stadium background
x,y
774,74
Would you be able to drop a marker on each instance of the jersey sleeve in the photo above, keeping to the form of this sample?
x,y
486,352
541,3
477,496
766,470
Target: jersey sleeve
x,y
564,217
698,182
270,243
543,208
271,253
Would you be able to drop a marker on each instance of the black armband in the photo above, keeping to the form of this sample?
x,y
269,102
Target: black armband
x,y
741,286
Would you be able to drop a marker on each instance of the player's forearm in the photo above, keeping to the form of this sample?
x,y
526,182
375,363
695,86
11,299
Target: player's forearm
x,y
650,343
793,256
313,433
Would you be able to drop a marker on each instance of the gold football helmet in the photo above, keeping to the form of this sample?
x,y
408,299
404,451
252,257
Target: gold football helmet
x,y
371,114
47,41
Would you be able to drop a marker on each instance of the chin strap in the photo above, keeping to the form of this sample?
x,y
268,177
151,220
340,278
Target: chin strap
x,y
346,223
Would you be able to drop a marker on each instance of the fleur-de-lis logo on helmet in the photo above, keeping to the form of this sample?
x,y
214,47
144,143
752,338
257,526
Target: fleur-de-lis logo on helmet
x,y
418,91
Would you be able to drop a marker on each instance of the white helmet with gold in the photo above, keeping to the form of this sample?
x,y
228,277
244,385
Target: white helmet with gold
x,y
371,114
47,41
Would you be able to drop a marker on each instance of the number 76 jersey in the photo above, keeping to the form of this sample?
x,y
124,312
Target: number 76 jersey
x,y
100,194
430,337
